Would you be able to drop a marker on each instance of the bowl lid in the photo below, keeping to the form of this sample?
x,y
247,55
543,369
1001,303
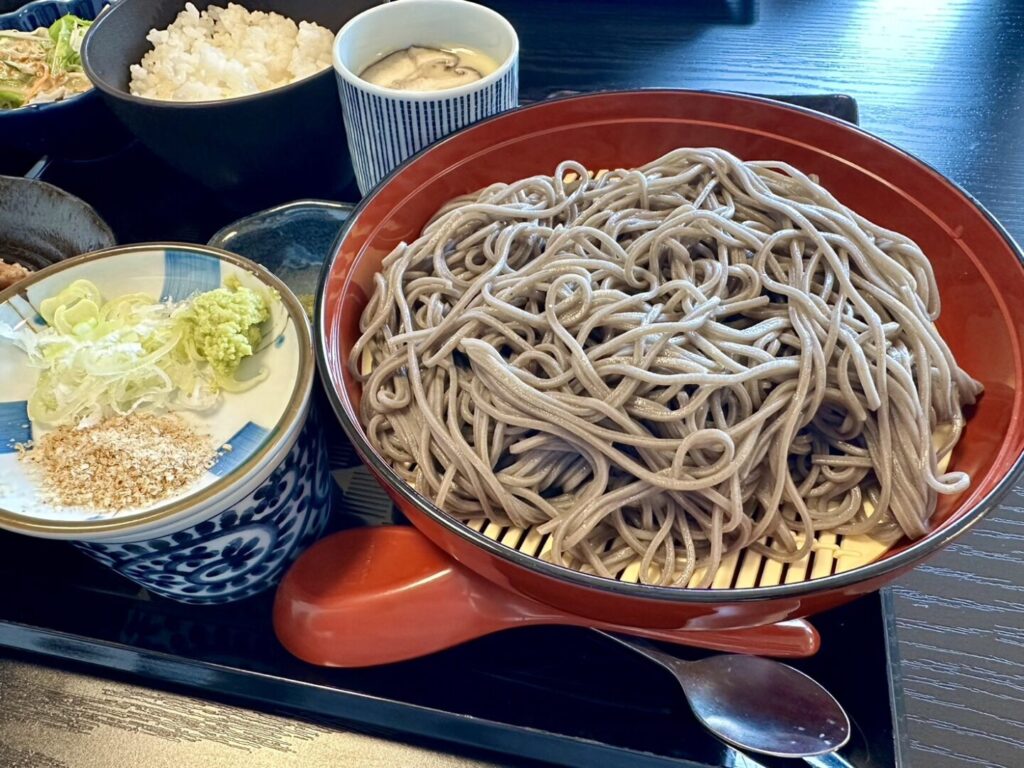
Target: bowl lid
x,y
246,428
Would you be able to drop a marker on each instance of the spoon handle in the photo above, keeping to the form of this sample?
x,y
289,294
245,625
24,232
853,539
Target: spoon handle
x,y
786,639
645,648
830,760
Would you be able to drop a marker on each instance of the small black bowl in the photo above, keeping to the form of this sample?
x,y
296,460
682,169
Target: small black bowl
x,y
41,224
255,150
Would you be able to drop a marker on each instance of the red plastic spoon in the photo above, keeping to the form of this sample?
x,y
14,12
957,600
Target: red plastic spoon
x,y
378,595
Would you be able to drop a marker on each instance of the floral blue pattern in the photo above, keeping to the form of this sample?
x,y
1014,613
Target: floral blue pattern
x,y
244,549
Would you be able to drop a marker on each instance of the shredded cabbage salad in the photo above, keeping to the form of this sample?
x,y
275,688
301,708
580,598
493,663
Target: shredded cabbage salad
x,y
131,353
43,65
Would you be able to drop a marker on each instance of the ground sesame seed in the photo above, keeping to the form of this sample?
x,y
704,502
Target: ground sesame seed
x,y
125,462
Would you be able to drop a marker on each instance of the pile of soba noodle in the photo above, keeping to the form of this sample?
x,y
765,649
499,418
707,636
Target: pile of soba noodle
x,y
667,364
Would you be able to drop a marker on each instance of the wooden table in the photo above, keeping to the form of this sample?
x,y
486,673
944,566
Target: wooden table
x,y
945,81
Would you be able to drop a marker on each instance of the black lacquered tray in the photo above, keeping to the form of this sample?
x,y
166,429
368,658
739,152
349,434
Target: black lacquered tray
x,y
559,695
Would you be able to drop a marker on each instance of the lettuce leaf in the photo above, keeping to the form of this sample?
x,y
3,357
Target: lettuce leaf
x,y
67,34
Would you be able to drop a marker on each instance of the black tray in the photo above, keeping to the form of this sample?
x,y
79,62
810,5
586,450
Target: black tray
x,y
561,695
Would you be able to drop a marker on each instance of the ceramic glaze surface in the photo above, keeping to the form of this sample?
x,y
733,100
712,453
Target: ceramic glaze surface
x,y
241,426
291,240
41,224
386,126
242,550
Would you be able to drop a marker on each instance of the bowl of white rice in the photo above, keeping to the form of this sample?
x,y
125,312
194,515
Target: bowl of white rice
x,y
239,96
224,52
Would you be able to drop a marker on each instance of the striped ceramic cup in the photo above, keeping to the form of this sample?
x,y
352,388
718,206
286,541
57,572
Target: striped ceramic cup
x,y
385,125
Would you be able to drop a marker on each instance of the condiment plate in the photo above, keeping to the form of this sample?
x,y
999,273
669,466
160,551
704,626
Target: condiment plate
x,y
248,428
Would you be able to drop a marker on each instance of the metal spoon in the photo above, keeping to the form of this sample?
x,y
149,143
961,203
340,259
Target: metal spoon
x,y
379,595
756,704
383,594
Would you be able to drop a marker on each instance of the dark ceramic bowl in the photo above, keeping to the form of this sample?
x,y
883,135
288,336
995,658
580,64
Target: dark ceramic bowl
x,y
979,270
41,224
257,150
291,240
79,127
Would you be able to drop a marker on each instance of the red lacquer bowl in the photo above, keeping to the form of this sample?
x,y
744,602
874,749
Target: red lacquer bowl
x,y
979,270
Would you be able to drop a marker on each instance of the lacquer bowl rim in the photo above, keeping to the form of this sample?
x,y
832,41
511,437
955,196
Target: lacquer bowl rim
x,y
959,523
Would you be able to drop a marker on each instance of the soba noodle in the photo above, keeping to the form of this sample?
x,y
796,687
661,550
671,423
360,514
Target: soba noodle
x,y
669,363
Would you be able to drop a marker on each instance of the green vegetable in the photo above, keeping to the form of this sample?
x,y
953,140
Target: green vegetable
x,y
43,65
224,325
11,95
15,83
67,34
133,353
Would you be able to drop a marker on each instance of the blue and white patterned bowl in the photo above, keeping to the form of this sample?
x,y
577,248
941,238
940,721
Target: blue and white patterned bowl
x,y
234,531
242,550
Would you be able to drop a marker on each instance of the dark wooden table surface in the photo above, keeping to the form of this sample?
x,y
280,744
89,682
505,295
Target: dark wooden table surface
x,y
943,79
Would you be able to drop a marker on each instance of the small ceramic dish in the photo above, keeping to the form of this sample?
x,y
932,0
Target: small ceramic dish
x,y
291,240
80,126
41,224
232,532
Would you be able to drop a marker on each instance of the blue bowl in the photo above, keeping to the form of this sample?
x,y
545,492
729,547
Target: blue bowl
x,y
79,127
234,530
291,240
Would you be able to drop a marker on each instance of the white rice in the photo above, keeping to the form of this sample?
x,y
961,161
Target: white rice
x,y
226,52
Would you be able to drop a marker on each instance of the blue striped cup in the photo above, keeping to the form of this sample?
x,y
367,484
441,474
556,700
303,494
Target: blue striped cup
x,y
385,126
